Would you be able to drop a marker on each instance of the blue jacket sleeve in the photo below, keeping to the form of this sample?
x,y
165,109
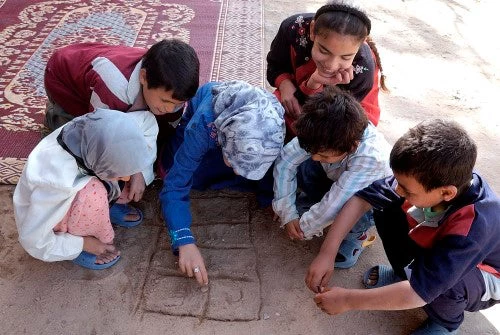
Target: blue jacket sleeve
x,y
174,196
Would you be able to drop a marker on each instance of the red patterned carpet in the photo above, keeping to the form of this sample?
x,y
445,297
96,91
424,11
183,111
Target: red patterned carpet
x,y
227,39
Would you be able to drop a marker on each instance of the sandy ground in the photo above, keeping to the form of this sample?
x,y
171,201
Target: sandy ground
x,y
440,61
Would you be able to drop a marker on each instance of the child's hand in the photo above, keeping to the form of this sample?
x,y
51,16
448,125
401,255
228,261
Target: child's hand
x,y
288,100
191,263
105,252
333,300
137,185
342,76
293,230
320,271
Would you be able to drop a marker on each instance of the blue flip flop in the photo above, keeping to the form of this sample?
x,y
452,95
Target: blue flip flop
x,y
386,276
351,247
87,260
430,327
117,214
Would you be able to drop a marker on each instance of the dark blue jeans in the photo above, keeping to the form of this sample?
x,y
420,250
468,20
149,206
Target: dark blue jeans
x,y
312,179
214,174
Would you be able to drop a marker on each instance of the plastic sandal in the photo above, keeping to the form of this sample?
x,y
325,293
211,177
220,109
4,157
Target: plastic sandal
x,y
386,276
87,260
430,327
117,214
351,247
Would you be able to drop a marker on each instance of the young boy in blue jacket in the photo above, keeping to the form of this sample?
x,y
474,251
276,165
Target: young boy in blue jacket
x,y
439,224
229,137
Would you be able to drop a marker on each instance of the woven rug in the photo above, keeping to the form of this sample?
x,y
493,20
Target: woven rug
x,y
227,35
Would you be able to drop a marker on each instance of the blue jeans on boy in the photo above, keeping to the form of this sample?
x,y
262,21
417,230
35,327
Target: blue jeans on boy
x,y
214,174
312,179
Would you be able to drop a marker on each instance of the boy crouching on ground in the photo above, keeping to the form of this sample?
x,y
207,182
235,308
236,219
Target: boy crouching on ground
x,y
439,225
336,153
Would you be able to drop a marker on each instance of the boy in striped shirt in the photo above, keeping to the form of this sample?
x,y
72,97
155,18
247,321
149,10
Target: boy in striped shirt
x,y
337,152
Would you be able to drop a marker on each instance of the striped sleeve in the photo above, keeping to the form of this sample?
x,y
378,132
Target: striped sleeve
x,y
285,180
367,164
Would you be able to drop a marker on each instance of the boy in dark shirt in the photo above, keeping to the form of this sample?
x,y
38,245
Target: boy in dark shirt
x,y
439,225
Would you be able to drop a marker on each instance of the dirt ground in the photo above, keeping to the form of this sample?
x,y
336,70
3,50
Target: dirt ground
x,y
440,61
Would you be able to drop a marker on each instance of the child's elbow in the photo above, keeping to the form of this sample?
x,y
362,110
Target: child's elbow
x,y
34,247
29,245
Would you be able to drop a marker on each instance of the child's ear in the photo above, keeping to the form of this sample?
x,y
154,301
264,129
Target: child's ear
x,y
142,77
449,192
311,31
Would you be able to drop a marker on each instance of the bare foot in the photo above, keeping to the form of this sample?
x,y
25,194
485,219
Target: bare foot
x,y
132,216
373,277
107,257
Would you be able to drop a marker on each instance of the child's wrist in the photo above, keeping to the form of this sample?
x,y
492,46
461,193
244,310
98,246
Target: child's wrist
x,y
328,249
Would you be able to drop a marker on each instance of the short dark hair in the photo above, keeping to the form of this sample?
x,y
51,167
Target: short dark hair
x,y
436,153
173,65
331,120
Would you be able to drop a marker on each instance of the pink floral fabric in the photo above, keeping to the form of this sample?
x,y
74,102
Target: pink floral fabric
x,y
89,214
